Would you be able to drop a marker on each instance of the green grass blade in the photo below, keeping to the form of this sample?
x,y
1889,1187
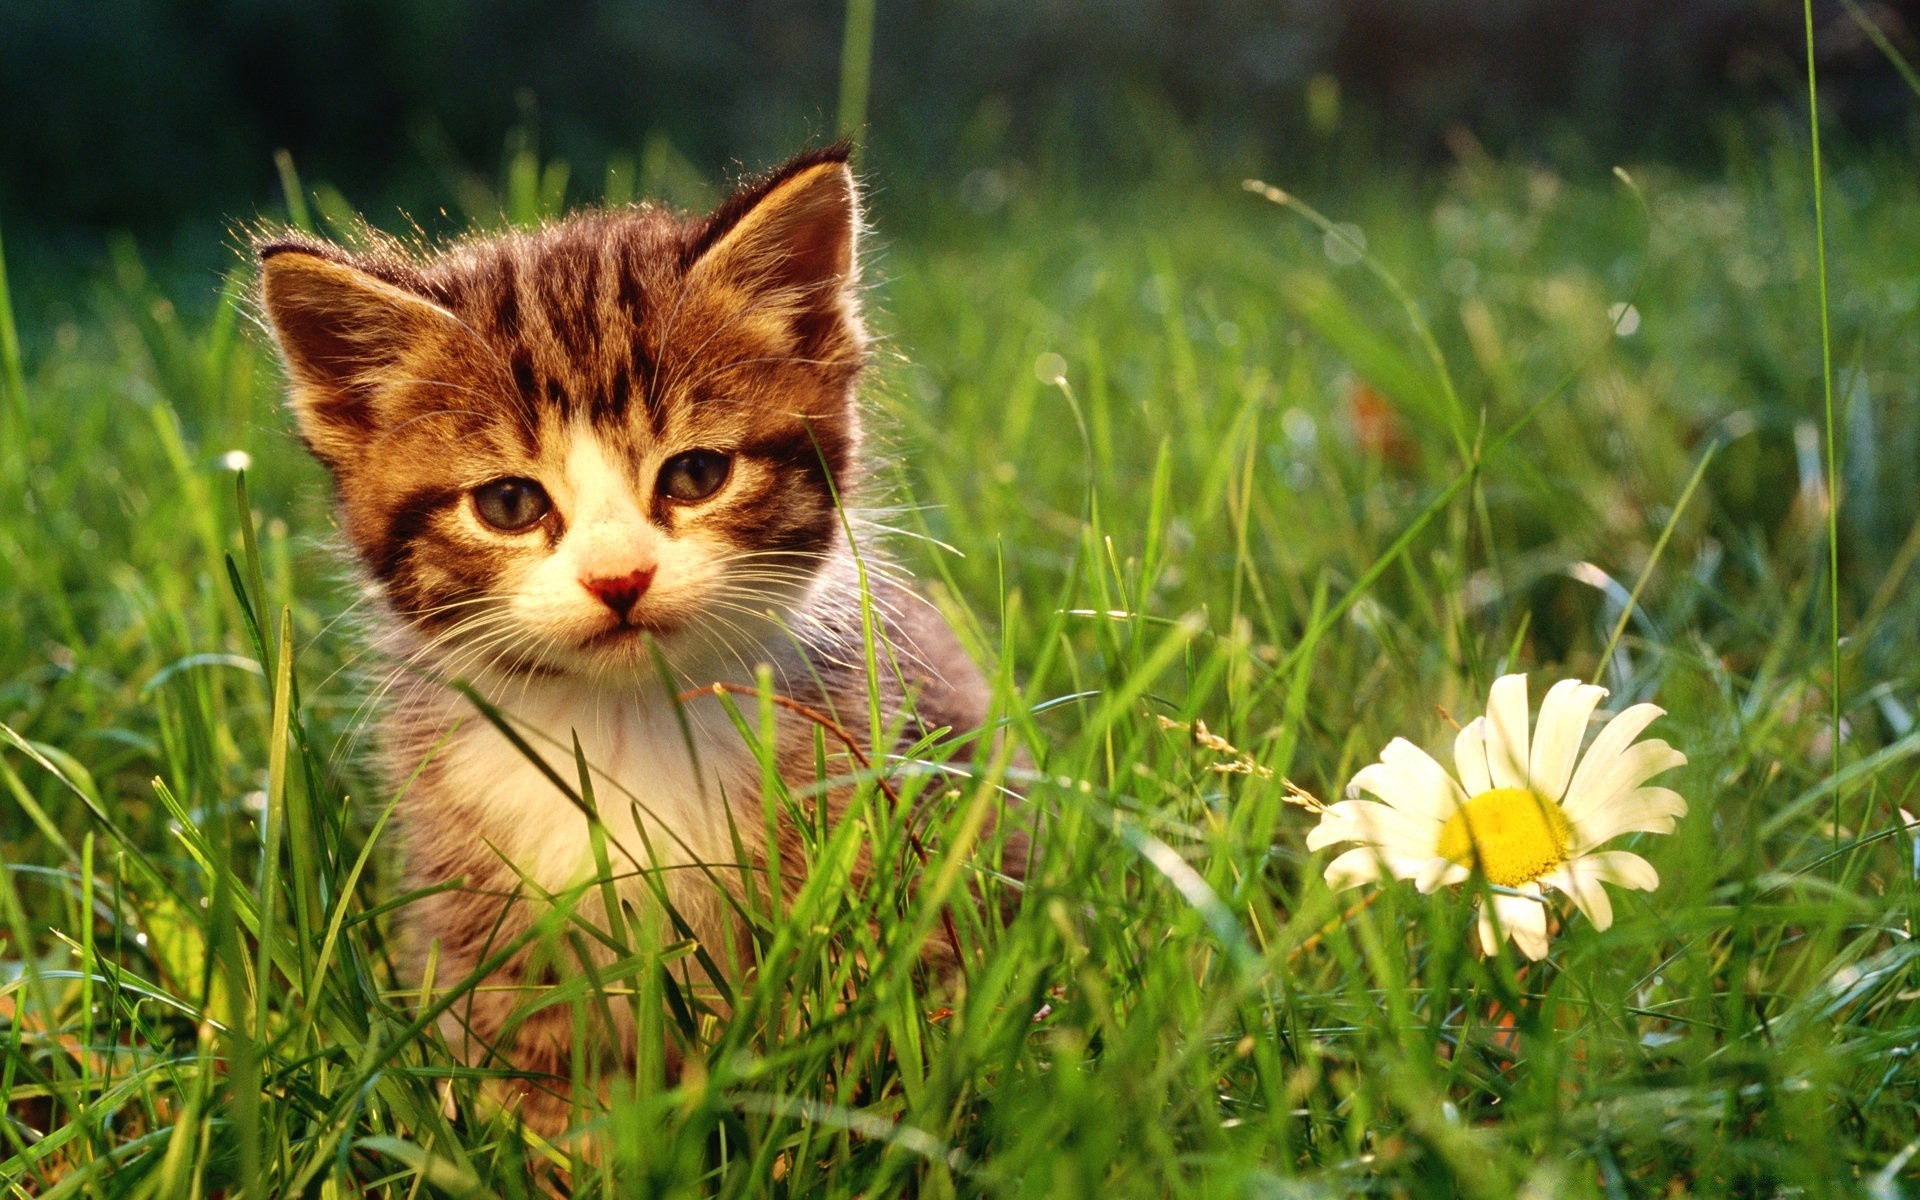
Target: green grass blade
x,y
856,66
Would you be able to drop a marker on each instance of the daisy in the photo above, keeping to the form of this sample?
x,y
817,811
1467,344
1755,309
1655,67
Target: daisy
x,y
1530,813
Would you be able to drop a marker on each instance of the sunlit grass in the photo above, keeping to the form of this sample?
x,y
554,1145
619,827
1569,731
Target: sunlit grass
x,y
1197,466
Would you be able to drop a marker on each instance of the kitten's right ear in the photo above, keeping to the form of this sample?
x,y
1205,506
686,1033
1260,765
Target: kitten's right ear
x,y
343,335
785,249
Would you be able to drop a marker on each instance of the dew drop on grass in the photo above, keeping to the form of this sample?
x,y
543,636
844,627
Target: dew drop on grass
x,y
983,192
1459,275
1300,427
1344,244
1625,318
925,384
1050,369
1748,271
236,460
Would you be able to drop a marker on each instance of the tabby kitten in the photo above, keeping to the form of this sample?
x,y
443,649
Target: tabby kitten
x,y
554,452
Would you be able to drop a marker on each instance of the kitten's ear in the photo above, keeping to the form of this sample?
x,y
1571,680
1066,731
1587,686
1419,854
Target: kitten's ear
x,y
343,334
792,238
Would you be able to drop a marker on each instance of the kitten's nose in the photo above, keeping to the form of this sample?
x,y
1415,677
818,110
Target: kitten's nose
x,y
622,593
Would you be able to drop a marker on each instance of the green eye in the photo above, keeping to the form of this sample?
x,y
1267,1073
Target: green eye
x,y
694,476
511,505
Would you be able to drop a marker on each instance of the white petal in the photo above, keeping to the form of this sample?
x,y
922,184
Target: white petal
x,y
1530,933
1365,864
1432,792
1403,783
1354,868
1628,770
1613,738
1337,824
1507,732
1625,868
1378,780
1558,733
1470,756
1489,937
1525,922
1365,821
1599,832
1642,810
1583,884
1437,873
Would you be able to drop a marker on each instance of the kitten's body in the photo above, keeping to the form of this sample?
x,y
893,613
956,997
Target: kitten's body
x,y
558,455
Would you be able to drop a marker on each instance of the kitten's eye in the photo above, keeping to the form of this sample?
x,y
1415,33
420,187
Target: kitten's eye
x,y
511,505
694,475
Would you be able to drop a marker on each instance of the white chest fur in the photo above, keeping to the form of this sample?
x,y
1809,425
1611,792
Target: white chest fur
x,y
663,788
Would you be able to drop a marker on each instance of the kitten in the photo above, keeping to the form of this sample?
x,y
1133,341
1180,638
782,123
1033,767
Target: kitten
x,y
553,453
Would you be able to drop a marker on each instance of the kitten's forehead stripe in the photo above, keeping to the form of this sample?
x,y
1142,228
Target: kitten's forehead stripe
x,y
506,313
642,370
576,310
570,284
523,381
615,406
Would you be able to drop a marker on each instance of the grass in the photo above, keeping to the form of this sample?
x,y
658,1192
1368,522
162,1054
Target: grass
x,y
1196,463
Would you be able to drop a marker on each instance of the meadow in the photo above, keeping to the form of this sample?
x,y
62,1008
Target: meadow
x,y
1226,495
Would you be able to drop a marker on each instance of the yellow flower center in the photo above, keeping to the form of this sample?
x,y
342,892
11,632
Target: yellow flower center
x,y
1516,835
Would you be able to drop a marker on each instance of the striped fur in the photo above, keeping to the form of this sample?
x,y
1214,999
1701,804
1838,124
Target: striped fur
x,y
584,357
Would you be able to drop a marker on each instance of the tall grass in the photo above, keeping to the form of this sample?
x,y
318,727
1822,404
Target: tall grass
x,y
856,67
1195,465
1826,392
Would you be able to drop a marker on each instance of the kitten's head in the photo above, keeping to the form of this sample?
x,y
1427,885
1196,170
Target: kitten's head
x,y
546,445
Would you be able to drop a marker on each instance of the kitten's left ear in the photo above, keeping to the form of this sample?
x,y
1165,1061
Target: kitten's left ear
x,y
346,337
792,238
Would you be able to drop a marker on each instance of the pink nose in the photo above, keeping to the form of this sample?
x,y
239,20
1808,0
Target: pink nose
x,y
622,593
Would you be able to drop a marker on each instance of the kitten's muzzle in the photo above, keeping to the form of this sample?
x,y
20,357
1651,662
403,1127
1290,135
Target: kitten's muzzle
x,y
622,592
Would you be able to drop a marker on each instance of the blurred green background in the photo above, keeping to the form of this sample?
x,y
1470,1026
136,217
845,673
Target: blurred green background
x,y
163,115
